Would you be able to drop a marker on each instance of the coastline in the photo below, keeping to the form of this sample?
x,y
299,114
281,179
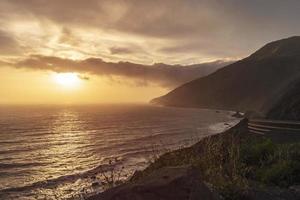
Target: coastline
x,y
159,129
214,130
166,177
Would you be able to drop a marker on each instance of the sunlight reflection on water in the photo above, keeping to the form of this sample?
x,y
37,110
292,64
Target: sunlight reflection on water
x,y
53,151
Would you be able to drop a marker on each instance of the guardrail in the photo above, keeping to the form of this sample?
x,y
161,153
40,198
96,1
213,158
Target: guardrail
x,y
262,126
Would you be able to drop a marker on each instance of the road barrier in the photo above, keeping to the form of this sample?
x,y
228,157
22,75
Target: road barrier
x,y
263,126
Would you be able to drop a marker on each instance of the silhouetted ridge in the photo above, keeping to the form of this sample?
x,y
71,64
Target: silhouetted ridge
x,y
281,48
255,83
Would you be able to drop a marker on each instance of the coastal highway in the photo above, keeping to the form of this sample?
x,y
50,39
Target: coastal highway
x,y
276,129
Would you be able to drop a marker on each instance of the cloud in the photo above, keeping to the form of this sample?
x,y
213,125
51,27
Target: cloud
x,y
8,45
78,35
120,50
158,74
209,29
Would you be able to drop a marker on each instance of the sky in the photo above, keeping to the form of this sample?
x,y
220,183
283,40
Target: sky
x,y
127,50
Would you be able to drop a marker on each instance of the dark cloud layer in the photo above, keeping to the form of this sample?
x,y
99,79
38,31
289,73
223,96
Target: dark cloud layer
x,y
234,27
160,74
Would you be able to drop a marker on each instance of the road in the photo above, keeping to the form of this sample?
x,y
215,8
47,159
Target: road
x,y
276,129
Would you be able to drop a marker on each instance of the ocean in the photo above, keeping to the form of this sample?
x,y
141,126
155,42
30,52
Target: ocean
x,y
58,152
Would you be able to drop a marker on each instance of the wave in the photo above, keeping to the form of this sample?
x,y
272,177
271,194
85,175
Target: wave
x,y
49,183
20,165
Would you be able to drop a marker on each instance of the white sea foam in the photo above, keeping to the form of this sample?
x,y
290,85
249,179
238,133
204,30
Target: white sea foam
x,y
222,126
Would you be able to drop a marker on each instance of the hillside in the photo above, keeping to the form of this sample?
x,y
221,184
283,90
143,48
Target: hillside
x,y
288,107
255,83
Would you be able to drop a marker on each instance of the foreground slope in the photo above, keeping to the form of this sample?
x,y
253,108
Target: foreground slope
x,y
254,83
233,165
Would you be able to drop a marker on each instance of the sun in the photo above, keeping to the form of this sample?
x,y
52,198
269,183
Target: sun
x,y
67,80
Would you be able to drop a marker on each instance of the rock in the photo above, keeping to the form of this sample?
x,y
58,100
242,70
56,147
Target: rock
x,y
237,115
169,183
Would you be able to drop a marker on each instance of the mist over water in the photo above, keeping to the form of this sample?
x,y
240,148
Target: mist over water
x,y
52,151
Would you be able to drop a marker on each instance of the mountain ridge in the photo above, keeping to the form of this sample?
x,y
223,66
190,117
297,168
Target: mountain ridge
x,y
254,83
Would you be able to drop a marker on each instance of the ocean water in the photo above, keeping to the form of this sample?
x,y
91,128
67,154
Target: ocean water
x,y
55,152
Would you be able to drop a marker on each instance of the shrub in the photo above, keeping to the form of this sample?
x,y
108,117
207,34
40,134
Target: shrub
x,y
257,152
270,163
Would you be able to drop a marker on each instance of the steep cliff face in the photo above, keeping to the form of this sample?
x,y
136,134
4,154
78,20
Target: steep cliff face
x,y
288,107
254,83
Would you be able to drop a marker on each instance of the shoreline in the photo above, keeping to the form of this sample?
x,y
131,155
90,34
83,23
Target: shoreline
x,y
215,129
177,166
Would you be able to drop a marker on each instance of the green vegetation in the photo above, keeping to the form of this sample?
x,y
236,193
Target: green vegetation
x,y
234,161
272,164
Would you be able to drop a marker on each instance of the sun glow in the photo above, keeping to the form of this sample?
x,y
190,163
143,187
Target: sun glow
x,y
67,80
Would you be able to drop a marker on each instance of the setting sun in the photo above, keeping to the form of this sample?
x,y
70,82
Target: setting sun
x,y
67,80
97,97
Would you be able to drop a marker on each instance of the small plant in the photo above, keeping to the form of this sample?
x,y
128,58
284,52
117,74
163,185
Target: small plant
x,y
113,175
107,176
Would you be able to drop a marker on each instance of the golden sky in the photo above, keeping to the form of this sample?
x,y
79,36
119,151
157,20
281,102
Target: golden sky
x,y
39,87
97,51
